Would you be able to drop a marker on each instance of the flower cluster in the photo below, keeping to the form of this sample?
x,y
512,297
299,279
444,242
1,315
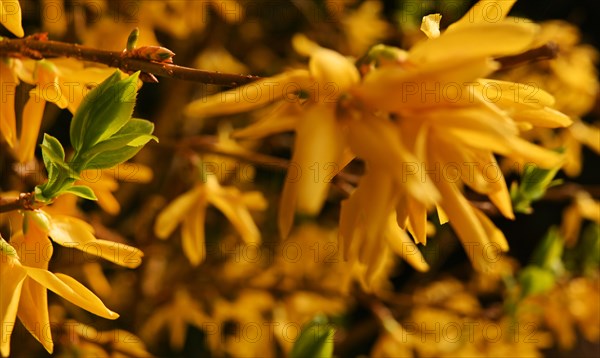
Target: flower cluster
x,y
430,105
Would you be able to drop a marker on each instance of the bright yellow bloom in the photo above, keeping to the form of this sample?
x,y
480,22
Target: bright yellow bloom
x,y
319,149
189,209
424,121
444,114
25,279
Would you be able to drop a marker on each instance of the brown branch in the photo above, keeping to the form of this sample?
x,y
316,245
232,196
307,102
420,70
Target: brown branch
x,y
209,144
36,47
547,51
25,201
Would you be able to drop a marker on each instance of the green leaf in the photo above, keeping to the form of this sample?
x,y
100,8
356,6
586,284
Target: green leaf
x,y
316,340
135,133
548,253
112,158
104,111
88,109
534,183
53,154
82,191
535,280
60,173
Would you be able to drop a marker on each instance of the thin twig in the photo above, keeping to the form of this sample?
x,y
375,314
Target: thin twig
x,y
25,201
547,51
36,47
344,181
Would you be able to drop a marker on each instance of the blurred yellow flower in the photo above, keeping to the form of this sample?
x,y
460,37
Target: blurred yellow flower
x,y
190,210
583,207
176,316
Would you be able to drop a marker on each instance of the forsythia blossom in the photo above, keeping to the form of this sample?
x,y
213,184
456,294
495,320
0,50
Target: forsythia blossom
x,y
410,114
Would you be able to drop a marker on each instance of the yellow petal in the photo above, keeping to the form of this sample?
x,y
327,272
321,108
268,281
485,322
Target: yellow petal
x,y
330,68
484,11
431,25
303,45
377,200
283,118
484,39
403,246
528,94
251,96
417,213
588,207
107,202
96,278
587,134
544,117
8,124
229,202
376,141
10,16
71,290
317,151
466,224
121,254
192,235
571,224
493,233
173,214
428,84
70,231
254,200
12,276
442,216
35,250
30,128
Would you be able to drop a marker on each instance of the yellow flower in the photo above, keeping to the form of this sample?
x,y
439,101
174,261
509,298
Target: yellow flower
x,y
424,121
190,210
364,26
176,316
318,149
25,279
444,115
